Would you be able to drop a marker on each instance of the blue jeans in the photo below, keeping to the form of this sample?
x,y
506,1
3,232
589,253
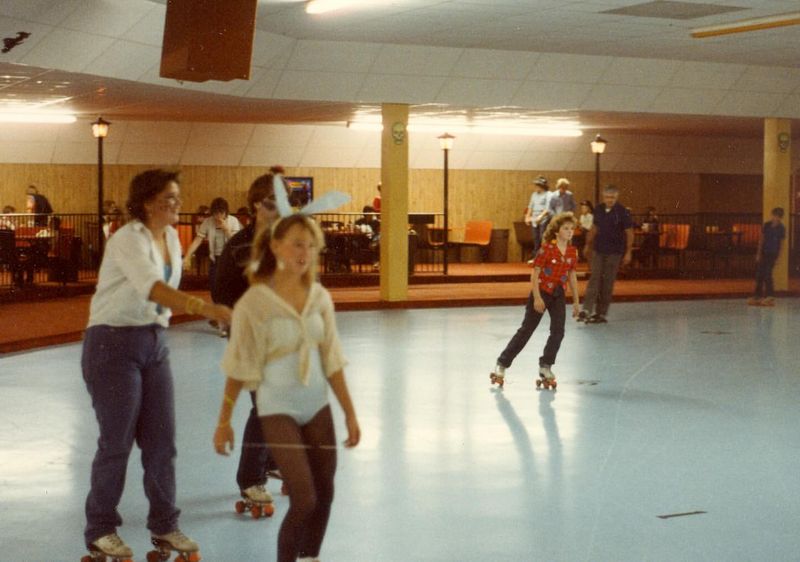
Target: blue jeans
x,y
764,286
127,373
555,304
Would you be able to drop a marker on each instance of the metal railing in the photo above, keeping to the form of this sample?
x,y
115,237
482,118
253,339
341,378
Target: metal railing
x,y
61,249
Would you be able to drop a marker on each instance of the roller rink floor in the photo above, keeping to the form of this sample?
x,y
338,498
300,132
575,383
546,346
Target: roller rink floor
x,y
673,435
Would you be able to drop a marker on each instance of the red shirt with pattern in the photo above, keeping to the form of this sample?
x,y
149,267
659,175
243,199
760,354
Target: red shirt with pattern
x,y
554,266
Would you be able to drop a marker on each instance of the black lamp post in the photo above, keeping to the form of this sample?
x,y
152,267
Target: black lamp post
x,y
446,142
100,131
598,147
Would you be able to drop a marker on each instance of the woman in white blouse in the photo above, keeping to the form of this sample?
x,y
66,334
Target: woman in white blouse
x,y
126,365
285,346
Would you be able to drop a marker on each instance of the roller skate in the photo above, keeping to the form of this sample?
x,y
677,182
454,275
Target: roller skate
x,y
187,549
546,380
109,546
768,301
755,301
498,375
257,500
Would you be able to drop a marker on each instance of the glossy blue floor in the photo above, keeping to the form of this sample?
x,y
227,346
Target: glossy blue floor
x,y
672,436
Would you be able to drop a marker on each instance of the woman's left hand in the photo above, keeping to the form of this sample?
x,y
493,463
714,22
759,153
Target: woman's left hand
x,y
353,432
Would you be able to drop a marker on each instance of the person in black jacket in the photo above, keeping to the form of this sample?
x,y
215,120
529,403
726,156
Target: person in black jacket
x,y
230,284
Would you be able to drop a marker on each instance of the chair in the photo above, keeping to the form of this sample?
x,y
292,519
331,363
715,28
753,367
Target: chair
x,y
65,256
477,234
524,234
673,240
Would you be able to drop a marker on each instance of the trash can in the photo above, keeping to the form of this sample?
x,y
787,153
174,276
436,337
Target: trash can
x,y
413,239
498,245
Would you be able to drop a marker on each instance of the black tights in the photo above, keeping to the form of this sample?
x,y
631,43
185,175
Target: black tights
x,y
306,457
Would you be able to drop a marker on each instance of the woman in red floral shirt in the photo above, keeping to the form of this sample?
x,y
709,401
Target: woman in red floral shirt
x,y
553,267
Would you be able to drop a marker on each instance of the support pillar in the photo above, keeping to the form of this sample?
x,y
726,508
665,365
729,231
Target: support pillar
x,y
394,203
778,187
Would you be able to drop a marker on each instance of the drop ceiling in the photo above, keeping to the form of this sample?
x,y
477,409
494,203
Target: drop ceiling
x,y
50,70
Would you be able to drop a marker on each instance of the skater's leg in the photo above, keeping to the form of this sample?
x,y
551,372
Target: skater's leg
x,y
556,307
285,439
254,458
319,434
110,369
156,438
761,273
520,339
610,265
769,288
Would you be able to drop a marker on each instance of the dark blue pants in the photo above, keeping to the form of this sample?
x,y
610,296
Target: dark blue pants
x,y
556,305
764,287
128,376
255,459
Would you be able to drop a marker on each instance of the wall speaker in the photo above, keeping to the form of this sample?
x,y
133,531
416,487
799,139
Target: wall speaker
x,y
208,39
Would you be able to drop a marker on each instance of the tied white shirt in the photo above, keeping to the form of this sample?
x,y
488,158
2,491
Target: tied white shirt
x,y
216,236
132,264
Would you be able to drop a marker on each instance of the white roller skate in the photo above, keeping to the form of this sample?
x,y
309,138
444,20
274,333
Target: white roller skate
x,y
110,546
547,379
187,549
257,500
498,375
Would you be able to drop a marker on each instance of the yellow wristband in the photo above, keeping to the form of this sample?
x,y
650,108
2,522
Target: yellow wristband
x,y
194,305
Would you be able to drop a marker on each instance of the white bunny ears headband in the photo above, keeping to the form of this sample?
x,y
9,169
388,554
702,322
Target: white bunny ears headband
x,y
326,202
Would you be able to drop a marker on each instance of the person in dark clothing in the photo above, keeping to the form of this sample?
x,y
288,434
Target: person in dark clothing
x,y
230,284
772,233
39,205
608,244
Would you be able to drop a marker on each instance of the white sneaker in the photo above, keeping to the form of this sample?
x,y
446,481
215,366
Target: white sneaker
x,y
545,372
178,541
257,494
112,545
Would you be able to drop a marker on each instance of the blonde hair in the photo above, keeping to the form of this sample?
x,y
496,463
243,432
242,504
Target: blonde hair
x,y
262,261
562,181
555,225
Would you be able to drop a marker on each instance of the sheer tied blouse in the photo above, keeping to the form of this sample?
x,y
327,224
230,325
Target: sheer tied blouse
x,y
265,328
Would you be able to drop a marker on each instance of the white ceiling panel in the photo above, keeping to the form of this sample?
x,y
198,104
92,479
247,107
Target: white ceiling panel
x,y
707,75
67,50
750,103
584,69
330,157
204,155
126,60
415,60
112,18
271,50
329,86
639,72
156,154
150,28
280,135
400,88
324,55
551,95
617,97
687,100
476,92
496,65
289,156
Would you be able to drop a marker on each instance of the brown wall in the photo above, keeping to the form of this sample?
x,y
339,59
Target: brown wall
x,y
496,195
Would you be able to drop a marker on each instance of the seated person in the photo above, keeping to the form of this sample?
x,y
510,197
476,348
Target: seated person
x,y
648,250
371,220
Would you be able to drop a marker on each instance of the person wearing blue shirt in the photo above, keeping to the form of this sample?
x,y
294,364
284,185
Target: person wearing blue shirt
x,y
608,244
772,233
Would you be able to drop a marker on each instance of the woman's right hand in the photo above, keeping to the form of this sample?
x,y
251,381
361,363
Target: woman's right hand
x,y
219,312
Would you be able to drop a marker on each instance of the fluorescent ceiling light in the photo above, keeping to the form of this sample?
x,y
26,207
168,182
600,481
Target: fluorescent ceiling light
x,y
37,118
323,6
742,26
532,130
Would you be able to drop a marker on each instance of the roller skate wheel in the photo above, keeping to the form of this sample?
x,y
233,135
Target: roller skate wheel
x,y
269,510
240,507
88,558
189,557
154,556
255,511
539,383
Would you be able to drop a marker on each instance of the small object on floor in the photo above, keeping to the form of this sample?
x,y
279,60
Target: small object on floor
x,y
187,549
257,500
582,316
498,375
111,546
596,319
754,301
768,301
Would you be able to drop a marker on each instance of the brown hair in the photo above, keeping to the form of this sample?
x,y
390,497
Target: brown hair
x,y
555,225
146,186
262,261
261,188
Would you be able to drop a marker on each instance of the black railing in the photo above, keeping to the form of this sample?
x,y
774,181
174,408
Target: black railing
x,y
61,249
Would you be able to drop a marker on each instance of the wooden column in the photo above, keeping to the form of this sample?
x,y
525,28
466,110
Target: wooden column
x,y
394,203
778,187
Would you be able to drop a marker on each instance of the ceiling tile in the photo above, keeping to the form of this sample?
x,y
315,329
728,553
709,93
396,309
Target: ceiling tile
x,y
150,27
488,64
220,134
707,75
205,155
126,60
416,60
111,18
620,98
284,155
328,86
67,50
400,88
325,55
476,92
569,68
551,95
